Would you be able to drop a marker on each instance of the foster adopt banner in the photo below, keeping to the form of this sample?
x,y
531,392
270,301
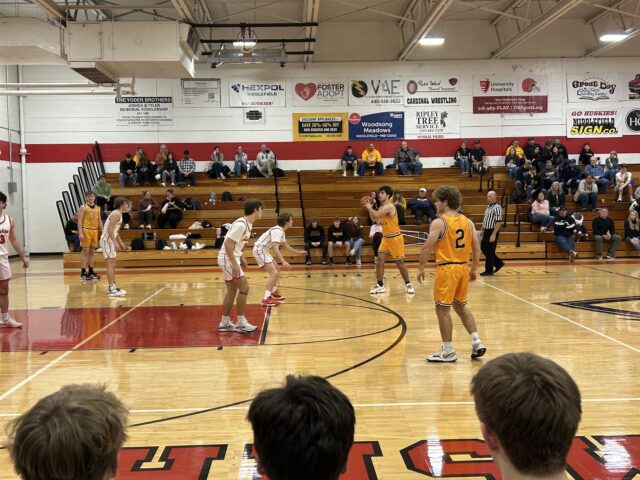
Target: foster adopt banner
x,y
432,123
599,122
320,93
376,126
510,93
257,94
319,127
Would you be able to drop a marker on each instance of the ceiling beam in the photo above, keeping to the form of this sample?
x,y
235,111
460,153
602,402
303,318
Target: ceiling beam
x,y
310,14
542,22
424,28
51,8
510,6
604,13
616,10
631,33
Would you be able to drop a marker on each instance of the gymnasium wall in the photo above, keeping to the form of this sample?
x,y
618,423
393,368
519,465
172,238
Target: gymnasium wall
x,y
61,129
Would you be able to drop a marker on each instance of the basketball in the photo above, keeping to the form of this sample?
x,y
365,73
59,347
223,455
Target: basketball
x,y
157,176
366,199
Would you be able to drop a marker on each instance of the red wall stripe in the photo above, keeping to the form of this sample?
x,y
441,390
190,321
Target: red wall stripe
x,y
4,151
114,152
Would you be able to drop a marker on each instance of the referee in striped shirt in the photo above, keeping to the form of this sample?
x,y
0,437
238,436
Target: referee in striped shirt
x,y
490,232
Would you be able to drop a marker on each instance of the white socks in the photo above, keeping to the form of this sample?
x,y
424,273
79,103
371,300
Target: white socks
x,y
475,337
448,346
267,294
5,317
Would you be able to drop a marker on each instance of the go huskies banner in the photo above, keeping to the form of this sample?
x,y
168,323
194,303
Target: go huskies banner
x,y
594,123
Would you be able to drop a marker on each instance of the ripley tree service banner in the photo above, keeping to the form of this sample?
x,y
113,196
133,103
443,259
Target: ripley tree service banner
x,y
319,127
432,123
436,91
510,93
593,123
144,111
250,94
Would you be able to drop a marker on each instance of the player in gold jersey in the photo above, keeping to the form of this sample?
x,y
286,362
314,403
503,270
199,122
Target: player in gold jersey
x,y
392,239
89,224
452,237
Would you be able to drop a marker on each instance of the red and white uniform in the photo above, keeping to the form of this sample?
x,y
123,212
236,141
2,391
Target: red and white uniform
x,y
265,243
5,230
240,232
106,243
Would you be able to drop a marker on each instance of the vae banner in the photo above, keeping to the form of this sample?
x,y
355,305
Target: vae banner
x,y
432,91
376,126
432,124
249,94
144,111
320,94
606,87
319,127
510,93
379,91
594,123
631,120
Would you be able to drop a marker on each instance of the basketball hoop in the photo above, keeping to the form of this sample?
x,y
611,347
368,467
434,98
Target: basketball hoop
x,y
246,41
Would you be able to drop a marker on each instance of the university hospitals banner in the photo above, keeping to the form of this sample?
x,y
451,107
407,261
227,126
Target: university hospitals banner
x,y
254,94
510,93
319,127
432,91
432,123
320,93
376,126
144,111
596,122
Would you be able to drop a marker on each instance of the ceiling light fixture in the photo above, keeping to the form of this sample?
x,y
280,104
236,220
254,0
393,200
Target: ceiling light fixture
x,y
613,37
247,39
431,41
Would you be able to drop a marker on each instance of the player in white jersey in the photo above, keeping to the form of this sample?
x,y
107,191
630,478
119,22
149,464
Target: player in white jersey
x,y
231,262
7,232
111,243
272,240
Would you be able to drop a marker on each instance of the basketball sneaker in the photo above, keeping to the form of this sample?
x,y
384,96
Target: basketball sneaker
x,y
244,326
477,349
277,296
377,289
269,302
226,326
116,292
443,356
85,276
10,323
93,276
409,288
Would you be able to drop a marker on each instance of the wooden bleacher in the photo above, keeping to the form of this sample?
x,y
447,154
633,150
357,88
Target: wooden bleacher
x,y
326,194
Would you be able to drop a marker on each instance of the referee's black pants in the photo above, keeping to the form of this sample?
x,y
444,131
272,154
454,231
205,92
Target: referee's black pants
x,y
488,248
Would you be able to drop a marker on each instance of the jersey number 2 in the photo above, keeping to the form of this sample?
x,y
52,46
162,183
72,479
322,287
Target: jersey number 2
x,y
460,238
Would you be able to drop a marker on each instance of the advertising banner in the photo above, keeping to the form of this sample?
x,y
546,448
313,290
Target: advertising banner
x,y
376,126
592,87
432,123
319,127
201,92
144,111
630,86
510,93
432,91
253,94
594,123
631,121
376,92
320,94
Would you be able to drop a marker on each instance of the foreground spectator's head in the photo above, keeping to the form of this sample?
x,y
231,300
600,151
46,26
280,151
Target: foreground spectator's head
x,y
613,154
531,141
186,154
263,148
349,149
422,193
304,430
336,222
314,222
515,142
404,145
512,152
102,179
604,212
371,147
128,156
623,168
586,147
74,433
589,179
563,211
529,409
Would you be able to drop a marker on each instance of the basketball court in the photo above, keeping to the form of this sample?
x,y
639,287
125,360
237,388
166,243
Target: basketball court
x,y
189,386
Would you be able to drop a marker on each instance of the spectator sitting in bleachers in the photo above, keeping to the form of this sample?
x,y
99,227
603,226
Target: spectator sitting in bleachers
x,y
597,172
478,157
171,210
545,153
561,147
349,162
169,169
540,212
128,171
585,155
146,172
549,175
556,199
187,169
102,191
337,237
216,169
146,205
371,160
265,161
530,148
401,206
564,227
407,158
421,206
512,162
537,160
632,229
375,233
515,144
570,175
604,230
71,233
527,181
139,155
611,167
462,158
161,156
354,231
74,433
587,193
557,157
314,238
624,181
239,162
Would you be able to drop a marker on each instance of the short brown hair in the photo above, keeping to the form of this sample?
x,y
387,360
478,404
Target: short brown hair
x,y
449,193
251,205
118,202
75,432
533,406
283,218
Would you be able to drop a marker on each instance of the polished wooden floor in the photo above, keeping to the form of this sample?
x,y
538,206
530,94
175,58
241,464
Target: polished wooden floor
x,y
188,385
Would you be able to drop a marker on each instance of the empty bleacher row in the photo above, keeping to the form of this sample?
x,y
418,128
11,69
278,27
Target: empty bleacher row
x,y
326,194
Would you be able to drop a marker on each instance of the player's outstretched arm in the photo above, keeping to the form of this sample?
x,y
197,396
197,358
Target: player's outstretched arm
x,y
16,245
435,230
293,250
